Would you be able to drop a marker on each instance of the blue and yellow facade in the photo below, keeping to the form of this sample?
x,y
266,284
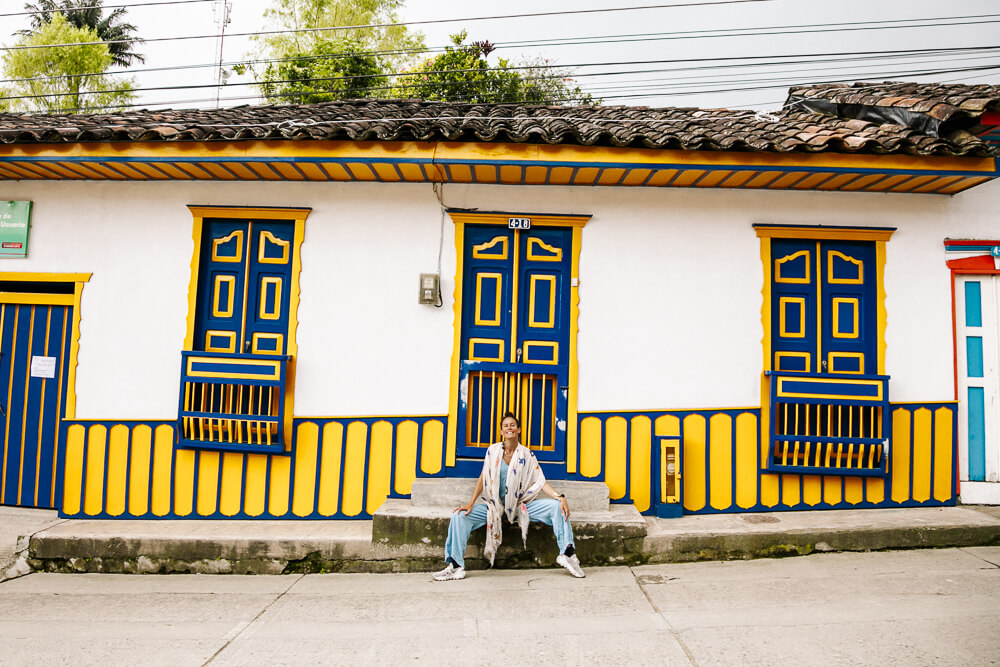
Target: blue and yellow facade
x,y
824,433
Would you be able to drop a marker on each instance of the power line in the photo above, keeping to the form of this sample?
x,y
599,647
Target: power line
x,y
132,5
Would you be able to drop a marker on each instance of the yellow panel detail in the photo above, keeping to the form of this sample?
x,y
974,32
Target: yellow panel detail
x,y
117,469
510,174
830,255
738,179
530,345
497,280
812,490
713,178
833,356
687,177
93,494
139,470
923,437
218,309
586,176
498,245
406,457
943,473
778,278
73,480
778,356
746,460
236,236
550,322
811,181
660,177
208,482
281,479
540,251
837,331
636,176
769,490
720,458
854,490
231,487
432,447
590,447
256,485
163,452
833,489
824,233
874,490
615,445
474,355
328,498
640,488
379,465
693,463
791,490
783,302
266,238
270,283
837,182
764,179
901,438
220,341
611,177
184,482
306,455
273,347
354,469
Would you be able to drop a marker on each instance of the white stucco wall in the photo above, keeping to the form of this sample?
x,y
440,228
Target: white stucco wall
x,y
670,287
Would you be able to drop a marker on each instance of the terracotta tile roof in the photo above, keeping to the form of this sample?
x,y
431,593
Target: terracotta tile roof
x,y
412,120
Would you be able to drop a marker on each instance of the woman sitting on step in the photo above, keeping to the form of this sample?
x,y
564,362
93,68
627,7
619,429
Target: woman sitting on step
x,y
510,484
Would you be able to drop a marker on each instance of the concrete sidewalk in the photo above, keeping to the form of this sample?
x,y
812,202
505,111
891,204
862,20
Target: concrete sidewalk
x,y
272,547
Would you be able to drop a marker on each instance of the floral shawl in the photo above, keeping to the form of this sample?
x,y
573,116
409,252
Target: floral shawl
x,y
524,482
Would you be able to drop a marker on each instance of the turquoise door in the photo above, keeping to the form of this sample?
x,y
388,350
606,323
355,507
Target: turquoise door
x,y
34,356
244,287
515,337
823,296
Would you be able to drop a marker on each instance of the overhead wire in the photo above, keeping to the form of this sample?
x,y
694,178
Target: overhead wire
x,y
131,5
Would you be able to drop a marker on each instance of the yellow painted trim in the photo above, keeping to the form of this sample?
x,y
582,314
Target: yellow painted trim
x,y
537,220
765,318
69,411
259,336
881,313
275,368
30,298
250,213
824,233
819,307
265,282
853,301
781,393
487,341
33,277
479,251
550,323
193,281
532,257
236,234
456,351
271,238
292,348
574,315
515,296
788,258
844,281
496,300
231,335
782,328
831,356
778,356
231,281
528,344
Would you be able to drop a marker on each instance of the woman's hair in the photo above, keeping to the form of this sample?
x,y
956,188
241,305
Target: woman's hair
x,y
511,415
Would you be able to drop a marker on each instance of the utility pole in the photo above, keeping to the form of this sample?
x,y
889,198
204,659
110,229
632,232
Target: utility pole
x,y
221,10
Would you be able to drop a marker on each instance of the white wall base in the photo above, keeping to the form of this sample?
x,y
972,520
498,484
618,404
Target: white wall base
x,y
980,493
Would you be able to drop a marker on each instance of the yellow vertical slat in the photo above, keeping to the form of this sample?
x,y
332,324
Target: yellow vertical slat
x,y
616,441
163,450
693,463
479,407
354,469
379,465
854,490
590,447
59,402
943,445
280,483
874,489
306,455
791,490
329,469
255,486
923,436
901,439
93,493
812,489
231,488
140,469
405,465
24,413
208,483
117,483
184,463
531,401
720,450
746,460
73,477
770,489
432,446
640,491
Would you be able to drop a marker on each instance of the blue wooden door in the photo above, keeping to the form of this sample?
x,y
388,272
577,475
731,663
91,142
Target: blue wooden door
x,y
515,336
244,287
823,302
31,401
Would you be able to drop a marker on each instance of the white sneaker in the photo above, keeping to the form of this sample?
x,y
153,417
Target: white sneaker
x,y
452,572
571,563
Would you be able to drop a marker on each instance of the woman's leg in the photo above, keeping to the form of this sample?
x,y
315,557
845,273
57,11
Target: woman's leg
x,y
459,529
548,511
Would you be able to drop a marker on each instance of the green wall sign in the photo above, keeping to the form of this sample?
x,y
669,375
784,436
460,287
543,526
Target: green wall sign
x,y
15,220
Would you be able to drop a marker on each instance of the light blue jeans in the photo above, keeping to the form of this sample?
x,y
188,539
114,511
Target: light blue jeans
x,y
545,510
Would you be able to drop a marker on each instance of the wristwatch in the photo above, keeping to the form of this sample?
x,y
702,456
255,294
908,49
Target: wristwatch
x,y
560,495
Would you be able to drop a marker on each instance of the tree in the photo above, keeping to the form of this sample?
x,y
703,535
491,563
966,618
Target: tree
x,y
330,70
62,78
89,14
462,74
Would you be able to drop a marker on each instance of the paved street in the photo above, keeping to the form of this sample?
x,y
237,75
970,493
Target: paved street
x,y
905,607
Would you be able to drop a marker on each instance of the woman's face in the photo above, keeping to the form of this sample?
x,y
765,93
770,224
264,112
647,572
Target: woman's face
x,y
509,428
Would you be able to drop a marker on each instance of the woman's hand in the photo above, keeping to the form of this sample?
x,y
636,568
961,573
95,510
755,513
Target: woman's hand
x,y
564,506
466,508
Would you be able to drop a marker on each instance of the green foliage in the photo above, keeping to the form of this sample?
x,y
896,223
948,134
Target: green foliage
x,y
462,74
90,14
330,70
53,79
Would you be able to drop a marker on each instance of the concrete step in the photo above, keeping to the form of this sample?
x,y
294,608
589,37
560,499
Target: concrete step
x,y
603,537
450,492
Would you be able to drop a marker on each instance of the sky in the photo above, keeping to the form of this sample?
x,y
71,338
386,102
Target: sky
x,y
631,56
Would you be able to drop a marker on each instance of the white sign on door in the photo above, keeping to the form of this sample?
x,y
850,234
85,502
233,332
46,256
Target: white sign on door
x,y
43,367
